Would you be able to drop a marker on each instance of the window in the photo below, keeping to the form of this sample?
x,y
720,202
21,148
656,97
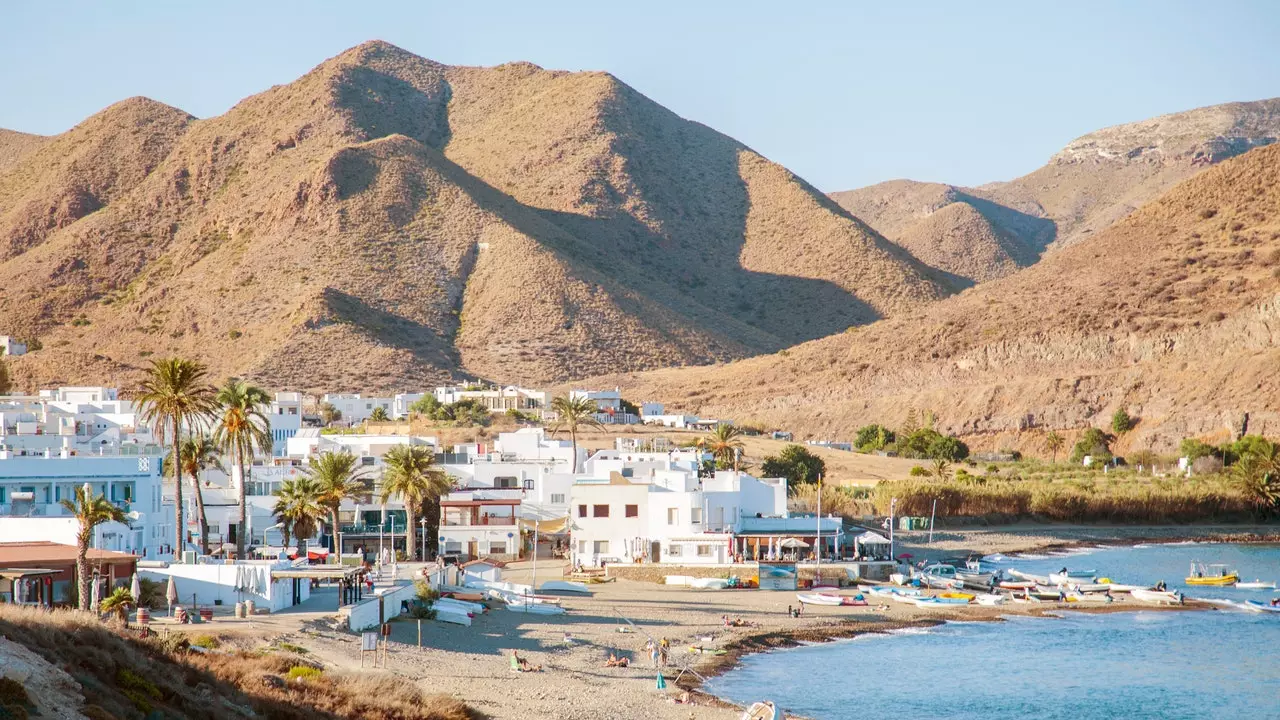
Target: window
x,y
557,498
368,461
674,550
497,548
582,512
508,481
602,547
695,515
599,511
704,551
632,511
673,516
528,484
582,546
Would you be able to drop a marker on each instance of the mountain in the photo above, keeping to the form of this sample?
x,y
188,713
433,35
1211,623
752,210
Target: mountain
x,y
386,221
1090,184
1171,313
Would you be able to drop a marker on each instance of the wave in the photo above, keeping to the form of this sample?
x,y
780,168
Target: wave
x,y
996,558
1029,556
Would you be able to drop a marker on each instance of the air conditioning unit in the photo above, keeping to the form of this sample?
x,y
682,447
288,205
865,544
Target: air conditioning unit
x,y
189,557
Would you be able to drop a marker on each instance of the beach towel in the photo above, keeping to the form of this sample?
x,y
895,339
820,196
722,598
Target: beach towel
x,y
662,682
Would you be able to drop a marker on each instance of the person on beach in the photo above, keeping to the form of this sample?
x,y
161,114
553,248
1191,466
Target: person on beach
x,y
520,664
664,647
652,648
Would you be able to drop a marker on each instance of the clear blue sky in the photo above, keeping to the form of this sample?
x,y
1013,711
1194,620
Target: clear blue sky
x,y
845,94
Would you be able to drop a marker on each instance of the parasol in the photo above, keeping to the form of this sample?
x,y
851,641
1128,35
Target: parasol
x,y
135,588
171,594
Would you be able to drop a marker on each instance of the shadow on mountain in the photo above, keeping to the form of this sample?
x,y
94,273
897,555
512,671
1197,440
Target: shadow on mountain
x,y
1030,235
387,328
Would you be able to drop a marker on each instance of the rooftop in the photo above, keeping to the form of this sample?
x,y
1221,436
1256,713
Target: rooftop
x,y
43,551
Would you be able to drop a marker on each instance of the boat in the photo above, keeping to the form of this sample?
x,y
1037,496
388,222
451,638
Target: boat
x,y
1071,577
898,578
895,593
1039,579
925,601
565,586
1116,587
763,710
1259,606
1256,585
709,583
1016,584
957,595
818,599
1211,574
700,650
467,596
990,599
454,615
1157,596
678,579
463,605
536,608
975,576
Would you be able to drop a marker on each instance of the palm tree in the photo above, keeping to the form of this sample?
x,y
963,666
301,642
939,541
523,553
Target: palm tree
x,y
725,444
196,454
573,414
298,510
411,473
329,414
242,429
91,511
379,414
337,478
1054,442
175,394
118,602
1258,472
941,470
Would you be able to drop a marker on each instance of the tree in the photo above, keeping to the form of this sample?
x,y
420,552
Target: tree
x,y
796,464
427,406
1258,472
1193,449
337,478
1053,442
175,393
871,438
911,423
466,412
5,383
379,414
196,454
298,510
90,511
242,429
411,474
1093,443
574,414
118,602
946,448
725,445
1121,423
329,414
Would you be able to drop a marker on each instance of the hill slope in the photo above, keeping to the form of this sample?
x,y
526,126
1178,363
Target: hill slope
x,y
386,222
1171,313
1095,181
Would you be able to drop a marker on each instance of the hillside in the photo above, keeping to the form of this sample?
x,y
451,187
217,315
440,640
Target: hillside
x,y
387,222
1095,181
1170,313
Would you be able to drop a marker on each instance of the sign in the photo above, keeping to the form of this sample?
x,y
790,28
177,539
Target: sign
x,y
777,575
369,642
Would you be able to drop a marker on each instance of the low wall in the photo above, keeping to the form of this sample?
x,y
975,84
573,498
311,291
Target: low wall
x,y
655,573
366,615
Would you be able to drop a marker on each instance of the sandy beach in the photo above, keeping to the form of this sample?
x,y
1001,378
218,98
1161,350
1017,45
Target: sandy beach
x,y
470,663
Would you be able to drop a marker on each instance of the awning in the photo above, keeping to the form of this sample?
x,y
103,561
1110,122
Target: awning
x,y
317,573
546,527
871,538
20,573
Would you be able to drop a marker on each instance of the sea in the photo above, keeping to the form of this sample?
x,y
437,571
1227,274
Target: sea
x,y
1223,663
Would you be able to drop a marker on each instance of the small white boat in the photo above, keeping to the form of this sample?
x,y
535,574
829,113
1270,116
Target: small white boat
x,y
1122,588
1259,606
1157,596
536,608
1039,579
678,580
1256,585
763,710
1071,577
463,605
709,583
819,599
456,616
565,586
989,599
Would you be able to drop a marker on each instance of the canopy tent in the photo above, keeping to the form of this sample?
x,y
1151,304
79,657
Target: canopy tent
x,y
872,538
545,527
793,543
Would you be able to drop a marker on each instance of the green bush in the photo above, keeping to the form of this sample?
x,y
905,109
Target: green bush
x,y
1193,449
920,471
871,438
795,463
1094,443
140,691
302,673
1121,423
290,647
207,642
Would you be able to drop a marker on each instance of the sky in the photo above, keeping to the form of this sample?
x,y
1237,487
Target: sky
x,y
845,94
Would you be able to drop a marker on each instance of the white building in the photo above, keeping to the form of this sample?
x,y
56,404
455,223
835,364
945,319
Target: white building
x,y
32,486
498,400
73,421
285,415
11,346
643,511
356,408
401,403
609,404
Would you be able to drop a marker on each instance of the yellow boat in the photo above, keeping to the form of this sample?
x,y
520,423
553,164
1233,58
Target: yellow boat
x,y
957,595
1218,575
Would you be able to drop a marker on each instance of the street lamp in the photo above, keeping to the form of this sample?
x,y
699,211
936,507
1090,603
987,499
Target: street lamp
x,y
893,505
423,523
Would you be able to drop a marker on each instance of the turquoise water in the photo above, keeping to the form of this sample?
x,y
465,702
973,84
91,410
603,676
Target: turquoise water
x,y
1215,664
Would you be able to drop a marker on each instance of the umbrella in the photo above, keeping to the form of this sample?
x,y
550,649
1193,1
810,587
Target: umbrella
x,y
171,593
135,588
93,594
791,543
905,556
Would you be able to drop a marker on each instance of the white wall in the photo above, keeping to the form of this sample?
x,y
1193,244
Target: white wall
x,y
217,582
364,615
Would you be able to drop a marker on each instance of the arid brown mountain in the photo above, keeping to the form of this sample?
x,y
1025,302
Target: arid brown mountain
x,y
387,221
1172,313
1090,184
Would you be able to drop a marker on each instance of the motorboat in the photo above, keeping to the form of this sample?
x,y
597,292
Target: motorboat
x,y
1259,606
565,586
990,599
1211,574
974,575
1157,596
1016,584
763,710
1071,577
957,595
829,599
894,592
1116,587
1257,586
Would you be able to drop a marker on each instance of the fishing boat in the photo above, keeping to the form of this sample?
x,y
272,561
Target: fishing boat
x,y
1039,579
1069,577
763,710
957,595
1116,587
829,599
1016,584
895,593
925,601
1256,585
1211,574
1259,606
973,574
990,599
565,586
1157,596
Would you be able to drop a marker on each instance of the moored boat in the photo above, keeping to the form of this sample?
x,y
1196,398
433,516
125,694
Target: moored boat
x,y
1256,585
818,599
1215,574
1069,577
925,601
763,710
1157,596
1040,579
1016,584
1259,606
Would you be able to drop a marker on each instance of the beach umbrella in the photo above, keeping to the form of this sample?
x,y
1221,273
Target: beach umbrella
x,y
171,594
135,588
93,594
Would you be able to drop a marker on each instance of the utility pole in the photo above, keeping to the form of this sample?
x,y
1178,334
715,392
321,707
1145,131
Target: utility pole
x,y
893,505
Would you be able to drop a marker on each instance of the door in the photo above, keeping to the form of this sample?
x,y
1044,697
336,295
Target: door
x,y
471,550
655,551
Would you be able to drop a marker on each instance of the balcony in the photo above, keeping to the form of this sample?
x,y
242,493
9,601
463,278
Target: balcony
x,y
500,520
387,528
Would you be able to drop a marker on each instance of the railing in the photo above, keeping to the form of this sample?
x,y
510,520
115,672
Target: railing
x,y
486,520
387,528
